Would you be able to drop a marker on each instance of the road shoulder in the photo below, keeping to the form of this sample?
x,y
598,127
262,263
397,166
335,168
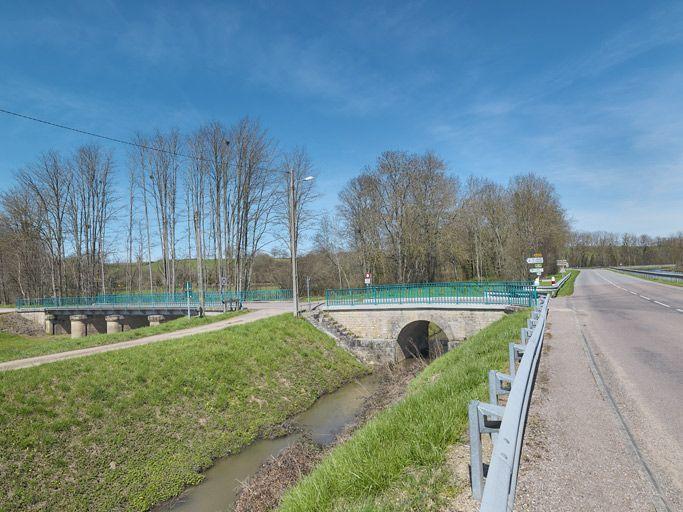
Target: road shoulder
x,y
576,455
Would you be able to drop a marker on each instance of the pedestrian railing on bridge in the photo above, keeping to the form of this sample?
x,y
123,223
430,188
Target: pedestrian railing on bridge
x,y
516,293
150,300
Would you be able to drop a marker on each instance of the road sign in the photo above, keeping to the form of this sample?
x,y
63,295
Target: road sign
x,y
562,263
538,271
224,281
368,278
537,259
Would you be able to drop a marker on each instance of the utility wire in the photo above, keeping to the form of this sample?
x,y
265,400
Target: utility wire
x,y
112,139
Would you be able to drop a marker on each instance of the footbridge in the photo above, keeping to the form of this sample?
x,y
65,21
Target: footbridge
x,y
392,322
83,315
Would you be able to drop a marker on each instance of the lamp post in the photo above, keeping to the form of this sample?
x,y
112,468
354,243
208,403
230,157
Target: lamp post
x,y
292,237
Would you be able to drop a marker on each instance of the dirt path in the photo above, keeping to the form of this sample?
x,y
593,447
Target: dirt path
x,y
252,316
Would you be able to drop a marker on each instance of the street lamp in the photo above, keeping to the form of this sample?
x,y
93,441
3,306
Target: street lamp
x,y
292,237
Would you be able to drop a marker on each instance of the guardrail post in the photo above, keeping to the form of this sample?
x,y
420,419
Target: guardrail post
x,y
524,335
515,352
496,389
479,423
476,463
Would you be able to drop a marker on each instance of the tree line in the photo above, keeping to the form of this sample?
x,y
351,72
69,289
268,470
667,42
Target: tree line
x,y
203,204
408,219
602,249
212,207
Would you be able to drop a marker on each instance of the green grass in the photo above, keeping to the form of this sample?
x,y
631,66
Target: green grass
x,y
397,461
568,287
18,347
648,278
128,429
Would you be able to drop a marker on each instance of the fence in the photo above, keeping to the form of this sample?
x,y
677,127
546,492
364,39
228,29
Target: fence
x,y
505,424
676,277
177,299
521,293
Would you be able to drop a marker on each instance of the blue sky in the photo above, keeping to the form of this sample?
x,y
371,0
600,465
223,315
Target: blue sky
x,y
588,94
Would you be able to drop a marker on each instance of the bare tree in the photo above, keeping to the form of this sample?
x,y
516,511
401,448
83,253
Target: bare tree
x,y
92,207
49,181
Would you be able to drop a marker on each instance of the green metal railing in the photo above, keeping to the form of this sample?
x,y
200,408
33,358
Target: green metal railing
x,y
518,293
177,299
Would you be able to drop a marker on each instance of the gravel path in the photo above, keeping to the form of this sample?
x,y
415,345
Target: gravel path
x,y
252,316
590,444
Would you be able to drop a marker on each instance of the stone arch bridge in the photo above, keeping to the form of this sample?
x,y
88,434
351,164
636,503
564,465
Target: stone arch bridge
x,y
389,333
393,322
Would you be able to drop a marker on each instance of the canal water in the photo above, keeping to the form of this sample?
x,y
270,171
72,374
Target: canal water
x,y
323,421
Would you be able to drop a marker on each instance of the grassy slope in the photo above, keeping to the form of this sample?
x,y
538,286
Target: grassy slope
x,y
396,461
568,287
18,347
127,429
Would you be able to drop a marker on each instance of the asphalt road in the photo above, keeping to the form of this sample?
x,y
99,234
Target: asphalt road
x,y
606,429
637,325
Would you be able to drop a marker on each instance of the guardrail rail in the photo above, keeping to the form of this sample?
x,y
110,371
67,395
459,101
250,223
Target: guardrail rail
x,y
505,424
554,288
676,277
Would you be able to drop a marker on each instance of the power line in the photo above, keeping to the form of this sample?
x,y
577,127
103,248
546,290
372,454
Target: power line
x,y
99,136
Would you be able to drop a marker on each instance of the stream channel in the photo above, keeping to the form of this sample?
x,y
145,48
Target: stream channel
x,y
325,419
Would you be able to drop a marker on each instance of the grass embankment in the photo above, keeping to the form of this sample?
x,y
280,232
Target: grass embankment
x,y
128,429
18,347
568,287
398,460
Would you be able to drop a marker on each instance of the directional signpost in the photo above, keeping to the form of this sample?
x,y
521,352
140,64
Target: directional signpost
x,y
537,261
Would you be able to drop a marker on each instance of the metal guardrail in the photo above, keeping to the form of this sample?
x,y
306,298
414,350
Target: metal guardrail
x,y
520,293
174,300
505,425
676,277
553,288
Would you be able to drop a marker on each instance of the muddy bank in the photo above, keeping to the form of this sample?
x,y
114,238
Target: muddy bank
x,y
263,491
14,323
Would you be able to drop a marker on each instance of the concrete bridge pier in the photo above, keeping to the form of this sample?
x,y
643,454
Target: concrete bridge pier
x,y
114,323
78,326
155,320
50,324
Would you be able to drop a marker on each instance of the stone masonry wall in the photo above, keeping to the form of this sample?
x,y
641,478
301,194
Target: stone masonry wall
x,y
386,324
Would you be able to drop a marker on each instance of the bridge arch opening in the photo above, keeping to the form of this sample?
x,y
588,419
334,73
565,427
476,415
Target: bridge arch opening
x,y
422,339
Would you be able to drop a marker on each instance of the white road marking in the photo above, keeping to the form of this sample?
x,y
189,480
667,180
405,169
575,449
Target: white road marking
x,y
641,296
